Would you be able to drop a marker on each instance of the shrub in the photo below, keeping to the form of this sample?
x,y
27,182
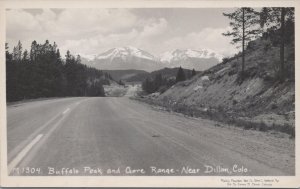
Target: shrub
x,y
234,102
225,60
231,72
263,126
267,47
274,106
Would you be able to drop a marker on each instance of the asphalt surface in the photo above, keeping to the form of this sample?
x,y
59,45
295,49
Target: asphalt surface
x,y
118,136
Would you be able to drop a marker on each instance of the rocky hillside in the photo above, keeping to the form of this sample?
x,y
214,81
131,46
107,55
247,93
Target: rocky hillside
x,y
259,101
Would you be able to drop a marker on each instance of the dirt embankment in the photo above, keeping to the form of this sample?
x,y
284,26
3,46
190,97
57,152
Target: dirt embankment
x,y
259,101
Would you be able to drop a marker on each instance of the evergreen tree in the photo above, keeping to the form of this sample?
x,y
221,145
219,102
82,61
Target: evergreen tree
x,y
121,82
19,49
25,56
243,28
277,18
96,89
33,51
193,72
78,59
58,57
147,86
180,75
42,73
11,73
15,54
54,47
68,57
8,56
158,81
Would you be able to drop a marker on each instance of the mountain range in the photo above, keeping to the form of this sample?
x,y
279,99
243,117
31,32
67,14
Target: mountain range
x,y
134,58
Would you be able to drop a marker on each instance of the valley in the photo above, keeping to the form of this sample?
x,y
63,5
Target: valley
x,y
134,58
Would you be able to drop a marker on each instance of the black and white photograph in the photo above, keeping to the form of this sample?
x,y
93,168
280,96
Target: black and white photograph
x,y
168,92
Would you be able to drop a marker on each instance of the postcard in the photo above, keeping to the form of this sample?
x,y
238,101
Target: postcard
x,y
162,93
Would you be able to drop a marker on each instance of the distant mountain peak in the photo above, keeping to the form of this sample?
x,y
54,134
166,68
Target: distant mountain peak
x,y
129,57
183,54
125,52
89,57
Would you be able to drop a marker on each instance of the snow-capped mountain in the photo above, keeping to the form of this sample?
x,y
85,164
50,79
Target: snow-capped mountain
x,y
188,58
134,58
125,58
125,53
88,57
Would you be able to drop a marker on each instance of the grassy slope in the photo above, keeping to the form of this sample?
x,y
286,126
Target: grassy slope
x,y
258,102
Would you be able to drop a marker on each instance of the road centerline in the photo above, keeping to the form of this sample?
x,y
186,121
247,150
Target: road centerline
x,y
23,153
66,111
41,129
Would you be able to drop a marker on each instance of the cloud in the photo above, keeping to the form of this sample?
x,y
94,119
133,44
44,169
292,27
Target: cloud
x,y
210,38
154,27
70,22
82,30
20,23
92,31
143,38
74,22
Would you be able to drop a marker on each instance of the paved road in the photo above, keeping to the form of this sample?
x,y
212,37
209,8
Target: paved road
x,y
96,136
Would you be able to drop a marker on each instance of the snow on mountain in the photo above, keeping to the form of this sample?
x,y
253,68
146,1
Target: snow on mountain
x,y
191,59
88,57
125,58
134,58
178,54
124,53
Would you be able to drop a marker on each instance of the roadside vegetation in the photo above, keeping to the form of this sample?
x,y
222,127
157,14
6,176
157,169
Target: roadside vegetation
x,y
254,89
161,80
42,72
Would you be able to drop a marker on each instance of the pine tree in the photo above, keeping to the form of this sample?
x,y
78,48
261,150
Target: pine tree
x,y
8,56
54,47
147,86
11,75
15,54
58,55
243,25
43,74
180,75
33,51
68,57
158,81
193,72
276,18
25,56
19,49
121,82
46,47
78,59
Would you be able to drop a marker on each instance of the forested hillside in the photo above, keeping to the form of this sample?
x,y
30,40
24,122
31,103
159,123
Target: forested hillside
x,y
161,80
127,75
42,72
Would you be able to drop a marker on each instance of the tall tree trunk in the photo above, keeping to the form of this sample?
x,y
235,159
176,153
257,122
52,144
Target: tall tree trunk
x,y
243,45
282,31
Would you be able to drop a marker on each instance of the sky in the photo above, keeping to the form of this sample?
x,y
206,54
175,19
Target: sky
x,y
93,31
